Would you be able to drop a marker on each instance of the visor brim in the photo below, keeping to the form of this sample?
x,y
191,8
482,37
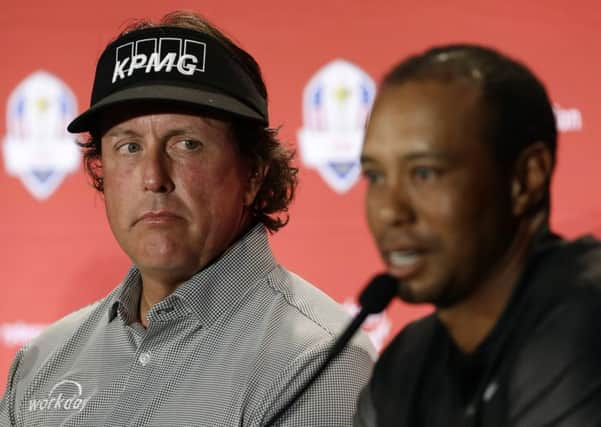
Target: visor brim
x,y
164,94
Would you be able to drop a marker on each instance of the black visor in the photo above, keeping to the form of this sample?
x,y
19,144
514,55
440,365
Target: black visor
x,y
169,64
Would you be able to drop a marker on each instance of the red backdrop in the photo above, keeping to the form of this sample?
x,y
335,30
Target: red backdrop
x,y
57,253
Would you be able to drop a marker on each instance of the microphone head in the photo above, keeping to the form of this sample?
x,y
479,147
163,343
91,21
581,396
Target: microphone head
x,y
378,293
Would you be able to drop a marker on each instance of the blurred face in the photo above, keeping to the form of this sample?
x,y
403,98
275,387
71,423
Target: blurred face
x,y
437,205
175,190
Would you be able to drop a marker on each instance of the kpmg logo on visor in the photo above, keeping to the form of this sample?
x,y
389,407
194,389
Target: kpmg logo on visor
x,y
159,54
336,102
37,148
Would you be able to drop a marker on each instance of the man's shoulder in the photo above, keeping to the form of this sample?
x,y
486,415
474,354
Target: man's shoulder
x,y
588,254
294,330
557,364
563,286
567,330
575,263
61,331
64,327
311,312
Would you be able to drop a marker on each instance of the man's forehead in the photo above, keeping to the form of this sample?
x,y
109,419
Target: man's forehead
x,y
434,119
427,106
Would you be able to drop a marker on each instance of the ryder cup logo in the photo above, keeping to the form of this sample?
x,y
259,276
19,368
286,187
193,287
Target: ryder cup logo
x,y
159,54
66,395
336,103
37,148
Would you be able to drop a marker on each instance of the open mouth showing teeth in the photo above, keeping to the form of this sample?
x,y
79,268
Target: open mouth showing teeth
x,y
402,258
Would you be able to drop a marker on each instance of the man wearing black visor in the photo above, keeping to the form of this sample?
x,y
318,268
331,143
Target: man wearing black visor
x,y
206,329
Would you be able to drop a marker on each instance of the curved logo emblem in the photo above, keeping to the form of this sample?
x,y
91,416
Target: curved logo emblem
x,y
37,148
66,395
336,103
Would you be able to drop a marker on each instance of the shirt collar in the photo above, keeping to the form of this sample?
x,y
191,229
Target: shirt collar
x,y
127,298
212,291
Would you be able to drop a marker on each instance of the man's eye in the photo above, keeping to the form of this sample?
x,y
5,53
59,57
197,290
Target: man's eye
x,y
372,177
189,144
129,148
425,173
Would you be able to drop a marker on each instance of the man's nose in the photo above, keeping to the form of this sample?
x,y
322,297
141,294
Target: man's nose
x,y
395,207
157,172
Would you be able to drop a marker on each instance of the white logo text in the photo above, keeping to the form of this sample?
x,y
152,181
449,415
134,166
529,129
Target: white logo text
x,y
159,54
64,396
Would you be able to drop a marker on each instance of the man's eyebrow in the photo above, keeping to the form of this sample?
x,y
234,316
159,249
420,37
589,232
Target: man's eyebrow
x,y
184,130
121,132
117,132
440,155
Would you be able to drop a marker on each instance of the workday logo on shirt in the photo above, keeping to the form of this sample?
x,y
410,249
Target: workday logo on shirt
x,y
66,395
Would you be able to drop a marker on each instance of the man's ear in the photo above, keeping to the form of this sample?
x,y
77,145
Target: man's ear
x,y
255,181
93,168
531,177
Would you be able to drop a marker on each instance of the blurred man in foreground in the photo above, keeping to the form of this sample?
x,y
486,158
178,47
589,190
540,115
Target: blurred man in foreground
x,y
458,156
206,329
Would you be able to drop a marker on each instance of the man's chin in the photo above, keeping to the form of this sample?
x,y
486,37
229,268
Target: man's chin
x,y
162,265
418,292
410,293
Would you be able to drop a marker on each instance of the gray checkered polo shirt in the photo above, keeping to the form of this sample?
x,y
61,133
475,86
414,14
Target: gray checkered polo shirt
x,y
227,348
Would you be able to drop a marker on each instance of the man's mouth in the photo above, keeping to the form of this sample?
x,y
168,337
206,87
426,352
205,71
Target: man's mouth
x,y
404,263
158,217
402,258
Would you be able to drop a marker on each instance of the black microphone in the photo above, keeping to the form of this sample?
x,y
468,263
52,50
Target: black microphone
x,y
373,299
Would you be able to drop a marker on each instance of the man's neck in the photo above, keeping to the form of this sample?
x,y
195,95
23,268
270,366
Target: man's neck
x,y
159,284
470,321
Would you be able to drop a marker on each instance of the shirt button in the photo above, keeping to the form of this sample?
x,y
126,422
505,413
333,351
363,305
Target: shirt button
x,y
144,359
